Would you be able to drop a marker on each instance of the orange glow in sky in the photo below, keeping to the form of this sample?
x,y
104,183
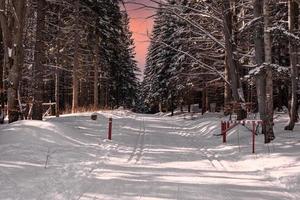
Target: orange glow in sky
x,y
141,24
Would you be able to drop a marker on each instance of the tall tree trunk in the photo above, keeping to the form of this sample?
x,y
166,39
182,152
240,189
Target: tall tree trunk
x,y
96,90
227,89
231,63
160,106
172,104
293,27
57,103
96,73
58,63
39,56
269,75
259,58
204,94
76,60
12,26
1,78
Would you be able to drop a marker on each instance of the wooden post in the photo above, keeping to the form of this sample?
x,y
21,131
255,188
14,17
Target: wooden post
x,y
109,135
224,127
253,136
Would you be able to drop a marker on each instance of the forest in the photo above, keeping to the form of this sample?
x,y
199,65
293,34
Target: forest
x,y
64,54
231,56
237,56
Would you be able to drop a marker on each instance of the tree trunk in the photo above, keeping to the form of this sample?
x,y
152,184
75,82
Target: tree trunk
x,y
39,56
1,79
160,107
232,65
269,75
227,90
293,26
96,73
106,96
12,26
172,105
57,92
204,99
230,62
259,58
58,63
76,60
96,90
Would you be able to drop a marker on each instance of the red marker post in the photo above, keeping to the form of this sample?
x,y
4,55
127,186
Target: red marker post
x,y
109,134
223,131
253,136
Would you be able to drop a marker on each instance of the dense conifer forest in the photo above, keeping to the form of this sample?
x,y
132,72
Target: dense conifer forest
x,y
236,56
65,54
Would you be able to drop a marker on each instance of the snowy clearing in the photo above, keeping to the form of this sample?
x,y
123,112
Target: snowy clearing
x,y
150,157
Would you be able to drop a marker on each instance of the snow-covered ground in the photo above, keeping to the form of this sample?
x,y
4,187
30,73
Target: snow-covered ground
x,y
150,157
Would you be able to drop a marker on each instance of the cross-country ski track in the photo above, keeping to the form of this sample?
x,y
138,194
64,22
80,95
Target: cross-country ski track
x,y
151,157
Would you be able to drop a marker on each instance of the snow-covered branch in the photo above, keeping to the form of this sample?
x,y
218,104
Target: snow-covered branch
x,y
260,69
284,32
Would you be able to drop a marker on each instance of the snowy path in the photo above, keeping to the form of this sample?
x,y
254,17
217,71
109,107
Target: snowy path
x,y
150,157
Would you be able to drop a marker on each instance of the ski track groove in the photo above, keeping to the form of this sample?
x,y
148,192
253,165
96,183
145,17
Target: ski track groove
x,y
106,158
138,149
211,157
70,168
215,162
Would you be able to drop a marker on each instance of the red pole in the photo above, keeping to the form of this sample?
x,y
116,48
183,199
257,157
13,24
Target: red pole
x,y
109,128
224,131
253,136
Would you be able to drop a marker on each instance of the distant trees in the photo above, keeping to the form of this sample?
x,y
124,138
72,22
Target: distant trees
x,y
76,53
196,49
159,66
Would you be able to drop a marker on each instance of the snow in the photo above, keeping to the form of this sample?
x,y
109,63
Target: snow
x,y
151,157
256,70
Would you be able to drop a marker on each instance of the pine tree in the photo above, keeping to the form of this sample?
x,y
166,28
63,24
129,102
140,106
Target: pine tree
x,y
158,70
129,81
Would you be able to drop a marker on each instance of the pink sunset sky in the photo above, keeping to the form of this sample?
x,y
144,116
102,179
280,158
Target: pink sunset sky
x,y
141,23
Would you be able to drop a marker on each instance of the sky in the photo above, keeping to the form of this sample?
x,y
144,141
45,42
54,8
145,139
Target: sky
x,y
141,24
